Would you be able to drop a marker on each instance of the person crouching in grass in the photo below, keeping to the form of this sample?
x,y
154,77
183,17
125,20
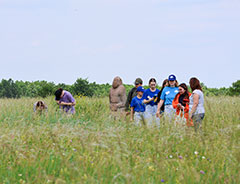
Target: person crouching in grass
x,y
138,107
65,100
39,107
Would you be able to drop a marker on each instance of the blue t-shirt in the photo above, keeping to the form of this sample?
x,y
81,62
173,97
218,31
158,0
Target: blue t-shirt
x,y
138,104
168,94
149,94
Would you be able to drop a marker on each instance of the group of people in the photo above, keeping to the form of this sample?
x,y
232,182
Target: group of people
x,y
148,106
63,98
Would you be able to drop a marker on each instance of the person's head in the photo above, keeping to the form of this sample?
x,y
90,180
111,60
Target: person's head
x,y
195,84
140,91
152,83
138,82
117,81
58,94
183,88
165,83
40,106
172,80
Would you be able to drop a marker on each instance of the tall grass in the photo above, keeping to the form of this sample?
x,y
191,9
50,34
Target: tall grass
x,y
92,147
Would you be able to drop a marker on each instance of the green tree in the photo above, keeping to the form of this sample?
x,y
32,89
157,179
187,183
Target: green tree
x,y
235,89
82,87
8,89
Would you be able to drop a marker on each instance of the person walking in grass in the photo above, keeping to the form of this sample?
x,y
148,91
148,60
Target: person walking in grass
x,y
181,103
196,103
138,107
65,100
150,98
167,96
132,93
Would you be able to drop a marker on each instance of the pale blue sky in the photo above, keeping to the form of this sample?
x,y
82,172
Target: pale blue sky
x,y
62,40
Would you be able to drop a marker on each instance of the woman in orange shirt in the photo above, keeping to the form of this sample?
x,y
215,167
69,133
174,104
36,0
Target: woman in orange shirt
x,y
181,102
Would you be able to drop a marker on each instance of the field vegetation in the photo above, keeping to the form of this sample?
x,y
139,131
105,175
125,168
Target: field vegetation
x,y
93,147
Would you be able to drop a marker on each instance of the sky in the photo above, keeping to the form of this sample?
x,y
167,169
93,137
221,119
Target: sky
x,y
62,40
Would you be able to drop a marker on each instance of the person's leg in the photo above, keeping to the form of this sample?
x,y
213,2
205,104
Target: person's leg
x,y
197,121
155,118
169,112
137,118
148,115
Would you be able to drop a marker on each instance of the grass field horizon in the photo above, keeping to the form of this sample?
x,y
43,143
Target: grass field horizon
x,y
92,147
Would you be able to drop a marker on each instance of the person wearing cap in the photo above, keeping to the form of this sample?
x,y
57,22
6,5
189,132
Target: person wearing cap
x,y
138,107
132,93
150,99
65,100
167,96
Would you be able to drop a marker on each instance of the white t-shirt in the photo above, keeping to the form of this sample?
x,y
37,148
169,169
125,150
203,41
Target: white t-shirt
x,y
200,106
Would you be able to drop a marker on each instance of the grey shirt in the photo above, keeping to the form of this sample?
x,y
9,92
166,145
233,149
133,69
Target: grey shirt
x,y
200,107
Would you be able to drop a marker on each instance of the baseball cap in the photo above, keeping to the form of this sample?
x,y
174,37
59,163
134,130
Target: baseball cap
x,y
172,77
140,89
138,81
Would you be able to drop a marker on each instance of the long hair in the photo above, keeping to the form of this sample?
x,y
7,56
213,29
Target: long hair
x,y
195,84
40,104
186,93
165,82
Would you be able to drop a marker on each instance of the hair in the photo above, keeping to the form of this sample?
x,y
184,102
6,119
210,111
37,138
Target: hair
x,y
164,83
58,94
184,86
195,84
152,80
40,104
186,93
160,92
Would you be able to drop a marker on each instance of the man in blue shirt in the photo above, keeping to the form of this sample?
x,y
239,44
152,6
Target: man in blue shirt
x,y
138,107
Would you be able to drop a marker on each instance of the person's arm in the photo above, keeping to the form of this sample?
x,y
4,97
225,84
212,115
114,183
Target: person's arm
x,y
159,107
175,103
69,104
122,97
132,112
128,101
149,100
195,104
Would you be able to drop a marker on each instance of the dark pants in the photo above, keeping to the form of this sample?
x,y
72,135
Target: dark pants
x,y
197,120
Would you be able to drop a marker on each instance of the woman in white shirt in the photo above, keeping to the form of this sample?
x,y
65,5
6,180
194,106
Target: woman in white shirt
x,y
196,104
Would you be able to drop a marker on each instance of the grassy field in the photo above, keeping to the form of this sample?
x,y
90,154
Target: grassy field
x,y
91,147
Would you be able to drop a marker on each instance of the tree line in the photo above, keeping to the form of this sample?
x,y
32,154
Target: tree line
x,y
82,87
